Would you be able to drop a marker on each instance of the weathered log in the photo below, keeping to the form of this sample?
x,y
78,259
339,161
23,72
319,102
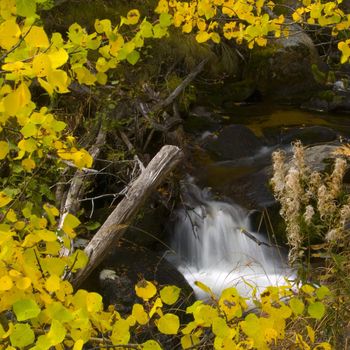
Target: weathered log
x,y
117,223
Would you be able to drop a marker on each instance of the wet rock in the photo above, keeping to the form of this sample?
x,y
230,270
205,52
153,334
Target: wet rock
x,y
309,135
124,267
335,100
233,142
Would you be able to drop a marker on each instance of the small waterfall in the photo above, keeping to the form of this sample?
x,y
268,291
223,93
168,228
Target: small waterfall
x,y
211,247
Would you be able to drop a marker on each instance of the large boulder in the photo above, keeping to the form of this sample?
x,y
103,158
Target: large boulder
x,y
233,142
283,70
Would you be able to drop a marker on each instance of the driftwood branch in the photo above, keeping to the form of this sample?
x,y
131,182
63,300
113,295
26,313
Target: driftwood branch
x,y
170,123
116,224
180,88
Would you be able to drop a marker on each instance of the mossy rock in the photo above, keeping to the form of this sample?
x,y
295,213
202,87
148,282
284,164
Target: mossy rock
x,y
283,70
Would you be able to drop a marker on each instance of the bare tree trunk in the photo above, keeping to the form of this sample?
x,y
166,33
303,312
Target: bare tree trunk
x,y
116,224
76,189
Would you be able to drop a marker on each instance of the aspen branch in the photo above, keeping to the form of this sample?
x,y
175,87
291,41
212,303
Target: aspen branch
x,y
120,219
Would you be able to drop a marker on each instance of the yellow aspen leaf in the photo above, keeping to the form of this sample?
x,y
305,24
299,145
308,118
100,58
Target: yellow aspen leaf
x,y
29,130
170,294
261,41
145,289
189,327
26,309
46,86
168,324
103,26
140,314
5,283
4,199
4,149
23,283
24,96
59,80
306,288
58,57
9,34
220,327
201,24
78,260
204,287
70,223
84,76
28,164
53,265
323,346
187,27
102,65
37,37
156,308
82,159
94,302
19,225
22,335
28,145
57,333
215,37
11,216
41,65
52,284
150,345
189,341
133,16
310,333
120,333
11,103
162,7
101,78
205,314
78,345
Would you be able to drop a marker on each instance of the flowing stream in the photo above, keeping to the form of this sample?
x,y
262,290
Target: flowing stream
x,y
214,245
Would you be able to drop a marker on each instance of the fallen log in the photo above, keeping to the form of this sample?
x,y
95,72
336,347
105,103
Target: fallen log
x,y
117,223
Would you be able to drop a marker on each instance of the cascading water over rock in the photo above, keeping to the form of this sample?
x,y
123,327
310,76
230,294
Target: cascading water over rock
x,y
210,246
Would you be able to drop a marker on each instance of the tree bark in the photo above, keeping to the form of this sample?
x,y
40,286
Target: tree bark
x,y
117,223
76,190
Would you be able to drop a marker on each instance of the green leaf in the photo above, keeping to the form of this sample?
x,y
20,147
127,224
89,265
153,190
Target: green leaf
x,y
168,324
159,31
297,306
25,309
322,292
22,335
146,29
165,20
133,57
316,310
25,8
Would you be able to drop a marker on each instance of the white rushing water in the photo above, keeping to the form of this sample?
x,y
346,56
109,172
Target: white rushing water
x,y
211,247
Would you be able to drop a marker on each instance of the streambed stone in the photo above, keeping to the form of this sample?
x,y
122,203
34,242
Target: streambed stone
x,y
233,142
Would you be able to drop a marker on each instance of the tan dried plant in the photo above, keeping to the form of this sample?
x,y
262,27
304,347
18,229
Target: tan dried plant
x,y
313,205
